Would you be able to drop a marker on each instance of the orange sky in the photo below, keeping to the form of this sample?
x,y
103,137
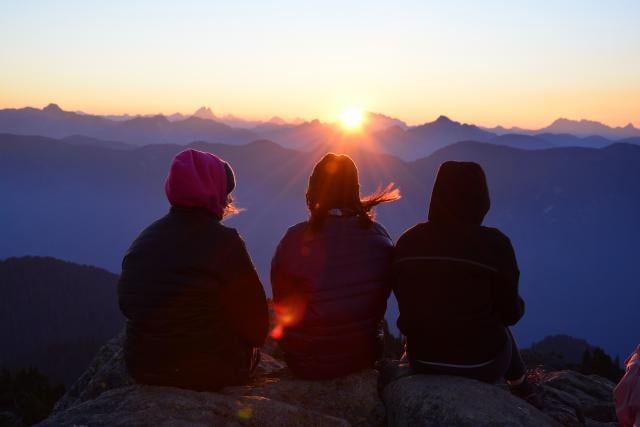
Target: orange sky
x,y
514,65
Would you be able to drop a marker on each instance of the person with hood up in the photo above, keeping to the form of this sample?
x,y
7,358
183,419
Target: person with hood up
x,y
627,393
195,309
456,282
330,274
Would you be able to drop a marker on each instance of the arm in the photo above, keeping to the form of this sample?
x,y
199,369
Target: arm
x,y
283,284
289,297
509,304
244,295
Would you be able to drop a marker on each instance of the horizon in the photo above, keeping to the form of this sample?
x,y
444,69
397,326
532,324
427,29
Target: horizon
x,y
512,65
297,120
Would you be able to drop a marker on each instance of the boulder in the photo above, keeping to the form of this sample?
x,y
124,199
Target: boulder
x,y
434,400
173,407
106,395
576,399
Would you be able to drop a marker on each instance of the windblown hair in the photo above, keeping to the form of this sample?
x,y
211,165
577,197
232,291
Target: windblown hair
x,y
334,184
230,209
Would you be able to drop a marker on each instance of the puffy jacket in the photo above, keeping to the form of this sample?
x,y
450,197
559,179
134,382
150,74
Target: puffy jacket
x,y
456,281
333,287
194,305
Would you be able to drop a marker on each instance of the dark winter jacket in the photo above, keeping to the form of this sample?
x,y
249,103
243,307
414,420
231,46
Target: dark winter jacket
x,y
456,281
194,305
333,287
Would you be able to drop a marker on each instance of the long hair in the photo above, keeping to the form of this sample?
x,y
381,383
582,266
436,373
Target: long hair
x,y
334,184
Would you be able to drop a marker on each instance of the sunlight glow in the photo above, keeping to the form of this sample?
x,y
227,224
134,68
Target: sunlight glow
x,y
352,118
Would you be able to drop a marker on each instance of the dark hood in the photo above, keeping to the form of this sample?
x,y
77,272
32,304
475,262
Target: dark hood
x,y
460,194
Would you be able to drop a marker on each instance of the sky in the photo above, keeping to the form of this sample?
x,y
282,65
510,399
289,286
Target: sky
x,y
513,63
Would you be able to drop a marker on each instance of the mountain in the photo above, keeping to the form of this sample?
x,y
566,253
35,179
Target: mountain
x,y
87,203
52,307
569,348
204,113
376,122
420,141
568,140
589,127
379,132
524,142
54,122
85,140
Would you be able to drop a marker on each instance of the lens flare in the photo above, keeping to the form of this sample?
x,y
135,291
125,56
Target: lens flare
x,y
287,313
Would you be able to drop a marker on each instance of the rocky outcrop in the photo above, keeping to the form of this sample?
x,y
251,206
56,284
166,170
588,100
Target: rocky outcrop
x,y
575,399
164,406
429,400
106,395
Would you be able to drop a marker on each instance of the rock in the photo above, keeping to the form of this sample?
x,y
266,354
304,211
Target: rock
x,y
590,397
173,407
438,400
106,395
107,371
353,398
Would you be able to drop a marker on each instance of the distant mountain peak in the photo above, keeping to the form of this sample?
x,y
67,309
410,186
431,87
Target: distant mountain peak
x,y
443,119
52,108
277,120
204,113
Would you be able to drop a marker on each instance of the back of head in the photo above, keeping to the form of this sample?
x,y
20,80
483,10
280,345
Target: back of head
x,y
334,184
460,194
201,180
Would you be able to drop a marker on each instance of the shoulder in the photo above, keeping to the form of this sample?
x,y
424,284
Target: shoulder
x,y
228,235
379,230
294,233
298,228
496,236
413,233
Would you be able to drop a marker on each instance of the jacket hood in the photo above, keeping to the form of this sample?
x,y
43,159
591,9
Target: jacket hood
x,y
460,194
200,180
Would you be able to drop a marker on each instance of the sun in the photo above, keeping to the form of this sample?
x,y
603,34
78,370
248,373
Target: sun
x,y
352,118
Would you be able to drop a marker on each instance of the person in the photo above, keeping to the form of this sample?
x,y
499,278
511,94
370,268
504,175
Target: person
x,y
195,309
456,282
329,276
626,394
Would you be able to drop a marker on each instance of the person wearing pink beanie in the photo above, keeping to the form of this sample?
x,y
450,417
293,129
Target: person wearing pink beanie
x,y
196,312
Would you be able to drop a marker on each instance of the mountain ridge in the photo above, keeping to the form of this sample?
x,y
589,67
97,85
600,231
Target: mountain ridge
x,y
380,132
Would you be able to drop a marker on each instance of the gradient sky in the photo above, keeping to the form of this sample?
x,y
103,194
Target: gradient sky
x,y
517,62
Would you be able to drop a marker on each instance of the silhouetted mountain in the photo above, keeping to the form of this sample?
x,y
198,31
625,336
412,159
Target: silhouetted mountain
x,y
421,141
54,122
204,113
87,203
85,140
524,142
375,122
590,127
569,348
55,315
379,132
567,140
634,140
